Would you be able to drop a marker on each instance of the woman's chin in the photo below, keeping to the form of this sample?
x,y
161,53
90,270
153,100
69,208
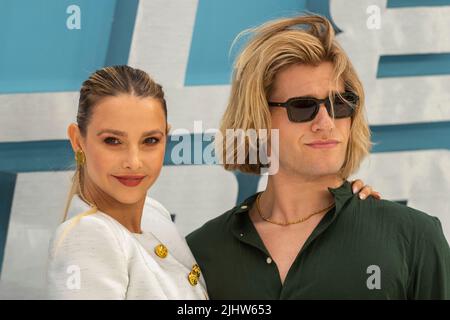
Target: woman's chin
x,y
129,198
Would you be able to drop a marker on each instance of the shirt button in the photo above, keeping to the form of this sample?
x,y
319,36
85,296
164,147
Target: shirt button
x,y
269,260
244,207
241,234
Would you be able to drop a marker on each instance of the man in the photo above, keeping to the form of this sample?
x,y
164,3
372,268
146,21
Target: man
x,y
307,236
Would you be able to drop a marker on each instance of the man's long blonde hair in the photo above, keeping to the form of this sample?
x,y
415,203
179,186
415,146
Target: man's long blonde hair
x,y
276,45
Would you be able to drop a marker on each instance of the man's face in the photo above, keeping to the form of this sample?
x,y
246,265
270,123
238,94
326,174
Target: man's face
x,y
301,147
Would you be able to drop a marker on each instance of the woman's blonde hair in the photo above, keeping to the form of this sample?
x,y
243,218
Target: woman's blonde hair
x,y
276,45
107,82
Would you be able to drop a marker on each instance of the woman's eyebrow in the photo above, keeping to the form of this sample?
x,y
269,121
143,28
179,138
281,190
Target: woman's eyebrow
x,y
124,134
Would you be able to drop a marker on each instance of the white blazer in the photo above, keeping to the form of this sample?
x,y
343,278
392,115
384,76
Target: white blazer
x,y
95,257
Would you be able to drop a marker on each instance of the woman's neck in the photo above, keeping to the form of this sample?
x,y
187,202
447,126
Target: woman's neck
x,y
128,215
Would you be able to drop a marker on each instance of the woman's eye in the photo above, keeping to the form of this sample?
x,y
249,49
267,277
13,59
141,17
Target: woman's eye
x,y
151,140
112,141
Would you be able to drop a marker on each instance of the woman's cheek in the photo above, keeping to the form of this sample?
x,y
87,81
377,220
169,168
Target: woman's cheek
x,y
155,160
102,161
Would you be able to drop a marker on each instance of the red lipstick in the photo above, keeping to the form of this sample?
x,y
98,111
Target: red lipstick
x,y
130,181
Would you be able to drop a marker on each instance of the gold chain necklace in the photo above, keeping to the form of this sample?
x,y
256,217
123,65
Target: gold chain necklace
x,y
288,223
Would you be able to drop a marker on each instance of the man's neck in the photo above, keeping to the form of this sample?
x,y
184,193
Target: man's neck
x,y
291,197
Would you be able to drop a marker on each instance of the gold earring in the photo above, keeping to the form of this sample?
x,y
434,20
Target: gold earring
x,y
80,158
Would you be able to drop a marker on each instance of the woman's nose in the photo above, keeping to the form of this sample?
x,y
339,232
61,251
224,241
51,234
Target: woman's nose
x,y
133,160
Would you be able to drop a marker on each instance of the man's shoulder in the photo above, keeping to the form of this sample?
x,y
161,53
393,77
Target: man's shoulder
x,y
415,221
399,210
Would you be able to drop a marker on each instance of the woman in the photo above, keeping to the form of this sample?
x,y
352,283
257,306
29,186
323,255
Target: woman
x,y
119,243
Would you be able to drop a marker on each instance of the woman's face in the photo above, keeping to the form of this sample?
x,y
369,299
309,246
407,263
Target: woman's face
x,y
124,147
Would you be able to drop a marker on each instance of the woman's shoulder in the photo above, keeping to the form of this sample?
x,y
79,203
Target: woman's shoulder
x,y
86,249
90,222
87,229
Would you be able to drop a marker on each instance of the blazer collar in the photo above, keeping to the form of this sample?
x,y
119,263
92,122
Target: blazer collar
x,y
154,221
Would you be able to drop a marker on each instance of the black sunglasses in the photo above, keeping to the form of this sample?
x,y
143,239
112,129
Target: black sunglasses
x,y
303,109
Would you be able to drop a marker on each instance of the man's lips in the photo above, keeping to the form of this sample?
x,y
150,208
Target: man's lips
x,y
323,144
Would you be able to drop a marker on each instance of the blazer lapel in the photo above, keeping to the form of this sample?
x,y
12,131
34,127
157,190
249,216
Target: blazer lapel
x,y
166,232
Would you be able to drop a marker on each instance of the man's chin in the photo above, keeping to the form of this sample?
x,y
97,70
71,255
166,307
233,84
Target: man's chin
x,y
318,172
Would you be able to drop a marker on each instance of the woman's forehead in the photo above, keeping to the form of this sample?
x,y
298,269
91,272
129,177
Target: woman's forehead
x,y
128,113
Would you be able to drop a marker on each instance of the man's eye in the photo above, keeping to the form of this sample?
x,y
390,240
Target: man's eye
x,y
151,140
112,141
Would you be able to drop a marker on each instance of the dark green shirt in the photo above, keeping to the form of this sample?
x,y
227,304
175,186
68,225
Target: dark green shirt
x,y
361,249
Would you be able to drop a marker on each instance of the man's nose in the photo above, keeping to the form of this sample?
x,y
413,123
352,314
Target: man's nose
x,y
323,121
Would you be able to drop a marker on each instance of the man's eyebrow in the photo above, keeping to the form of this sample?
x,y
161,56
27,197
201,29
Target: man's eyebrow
x,y
124,134
312,95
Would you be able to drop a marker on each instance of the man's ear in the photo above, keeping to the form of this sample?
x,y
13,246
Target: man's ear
x,y
73,131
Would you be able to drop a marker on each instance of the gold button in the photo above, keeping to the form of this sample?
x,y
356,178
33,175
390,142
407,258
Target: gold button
x,y
161,251
196,270
193,279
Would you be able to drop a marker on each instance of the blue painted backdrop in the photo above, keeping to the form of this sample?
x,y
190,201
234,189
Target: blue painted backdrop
x,y
38,55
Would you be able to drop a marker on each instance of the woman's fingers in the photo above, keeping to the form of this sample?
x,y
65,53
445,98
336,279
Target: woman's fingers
x,y
357,185
364,190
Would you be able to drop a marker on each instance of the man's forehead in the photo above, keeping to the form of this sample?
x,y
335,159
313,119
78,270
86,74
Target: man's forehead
x,y
306,80
318,88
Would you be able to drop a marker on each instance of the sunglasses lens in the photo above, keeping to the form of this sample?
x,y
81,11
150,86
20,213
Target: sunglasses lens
x,y
301,110
344,106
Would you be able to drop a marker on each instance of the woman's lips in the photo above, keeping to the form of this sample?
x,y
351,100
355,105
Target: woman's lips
x,y
130,181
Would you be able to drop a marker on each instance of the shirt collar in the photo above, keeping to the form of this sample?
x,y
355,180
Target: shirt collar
x,y
341,195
